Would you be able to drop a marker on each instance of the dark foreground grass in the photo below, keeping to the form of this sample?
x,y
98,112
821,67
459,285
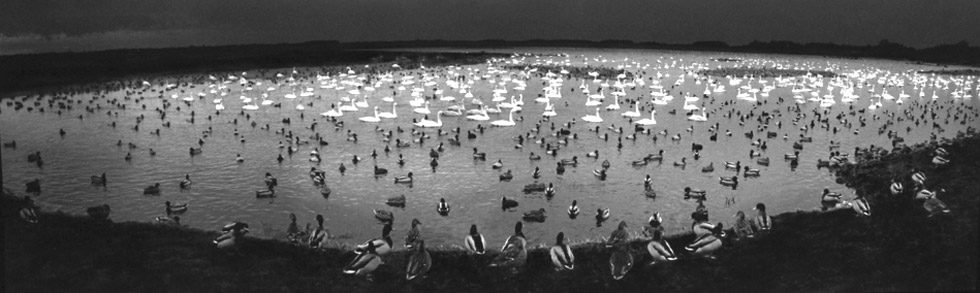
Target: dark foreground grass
x,y
898,249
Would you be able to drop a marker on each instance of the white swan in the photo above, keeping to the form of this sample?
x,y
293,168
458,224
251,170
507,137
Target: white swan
x,y
505,123
495,110
430,123
549,109
481,116
363,103
633,114
651,121
333,112
371,119
348,108
424,110
593,118
390,115
614,105
698,117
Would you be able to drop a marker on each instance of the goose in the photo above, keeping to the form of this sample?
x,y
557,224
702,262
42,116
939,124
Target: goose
x,y
404,179
390,115
430,123
573,209
514,251
425,110
535,215
475,242
419,262
651,121
99,180
593,118
561,254
505,123
414,235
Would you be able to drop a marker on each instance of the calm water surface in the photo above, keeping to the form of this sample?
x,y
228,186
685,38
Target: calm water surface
x,y
224,190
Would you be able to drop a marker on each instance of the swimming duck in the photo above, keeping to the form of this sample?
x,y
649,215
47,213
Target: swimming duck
x,y
169,221
478,155
605,164
735,165
561,254
658,157
729,181
861,206
573,209
618,237
602,214
514,252
175,208
152,189
919,178
567,162
682,163
694,193
442,208
763,161
750,172
599,173
99,180
475,242
507,176
414,235
793,156
398,201
507,203
550,191
593,154
499,164
419,262
186,183
535,215
709,168
231,235
404,179
384,216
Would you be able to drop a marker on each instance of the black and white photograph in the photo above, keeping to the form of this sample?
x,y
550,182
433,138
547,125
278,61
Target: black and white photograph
x,y
489,145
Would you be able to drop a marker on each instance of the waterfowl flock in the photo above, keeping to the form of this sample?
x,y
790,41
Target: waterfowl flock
x,y
588,137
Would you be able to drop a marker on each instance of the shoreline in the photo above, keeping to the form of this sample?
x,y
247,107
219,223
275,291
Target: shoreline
x,y
896,249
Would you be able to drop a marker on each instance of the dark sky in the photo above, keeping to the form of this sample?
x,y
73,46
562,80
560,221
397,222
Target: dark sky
x,y
78,25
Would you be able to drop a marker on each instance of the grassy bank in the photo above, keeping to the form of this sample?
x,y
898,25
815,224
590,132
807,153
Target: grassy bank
x,y
898,248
